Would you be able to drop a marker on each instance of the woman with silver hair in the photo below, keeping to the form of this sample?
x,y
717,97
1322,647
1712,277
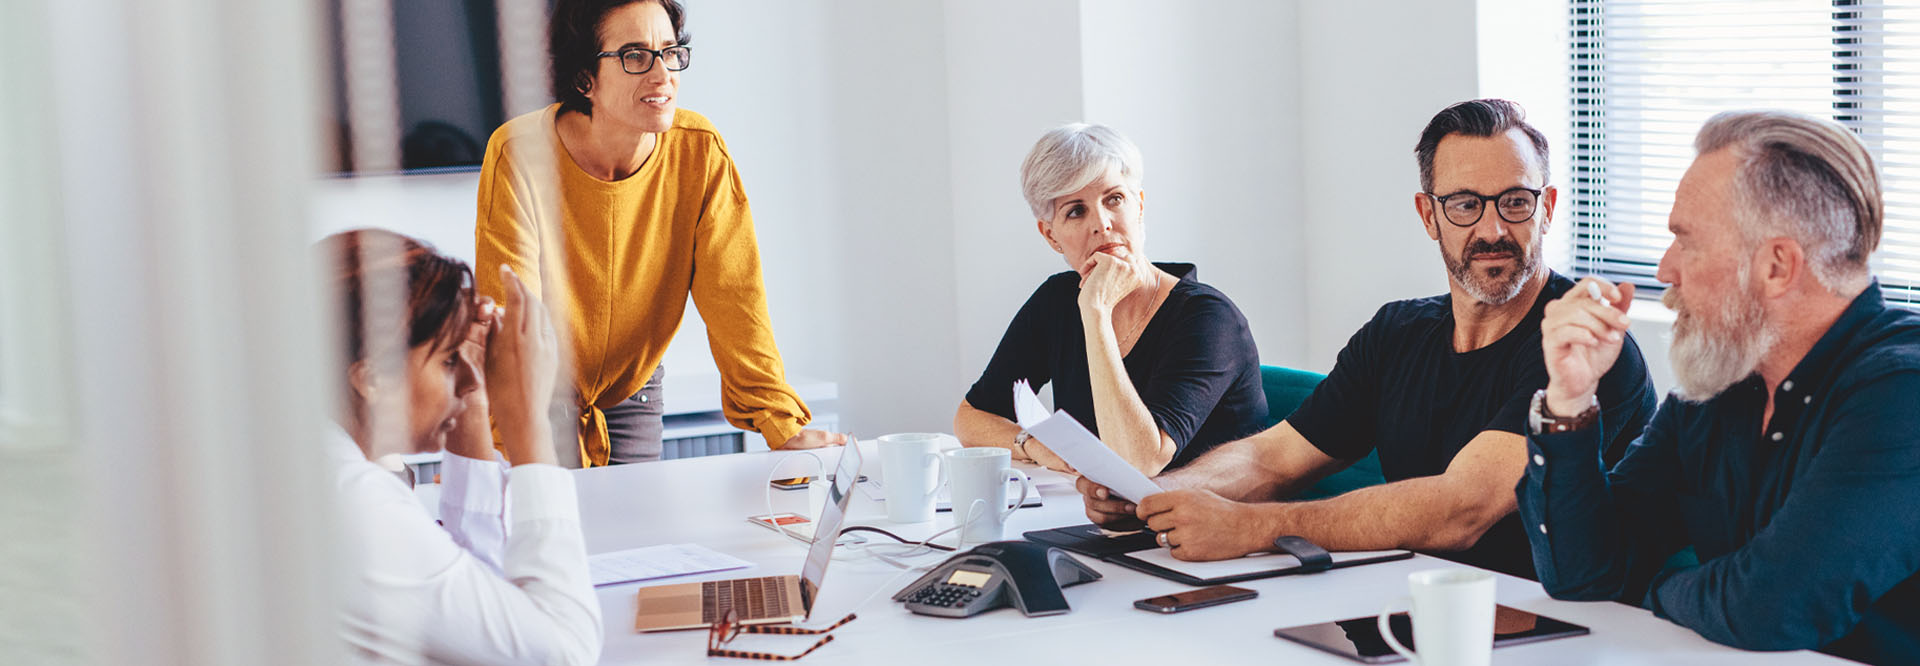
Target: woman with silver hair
x,y
1161,366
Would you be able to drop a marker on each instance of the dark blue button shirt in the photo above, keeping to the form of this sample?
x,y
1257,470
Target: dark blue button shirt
x,y
1807,531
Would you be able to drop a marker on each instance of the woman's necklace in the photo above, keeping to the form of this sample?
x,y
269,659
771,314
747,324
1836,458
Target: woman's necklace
x,y
1139,323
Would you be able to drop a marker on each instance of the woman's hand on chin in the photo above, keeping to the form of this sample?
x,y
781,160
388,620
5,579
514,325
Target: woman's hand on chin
x,y
1110,280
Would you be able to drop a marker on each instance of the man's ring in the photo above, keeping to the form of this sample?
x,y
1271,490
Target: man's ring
x,y
1161,537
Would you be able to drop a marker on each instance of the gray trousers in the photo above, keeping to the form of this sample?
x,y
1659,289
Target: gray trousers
x,y
634,426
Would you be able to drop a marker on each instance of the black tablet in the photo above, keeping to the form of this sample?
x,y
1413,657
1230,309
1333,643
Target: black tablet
x,y
1359,638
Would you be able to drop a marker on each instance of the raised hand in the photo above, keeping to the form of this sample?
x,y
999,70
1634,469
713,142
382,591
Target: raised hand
x,y
523,359
1580,337
472,436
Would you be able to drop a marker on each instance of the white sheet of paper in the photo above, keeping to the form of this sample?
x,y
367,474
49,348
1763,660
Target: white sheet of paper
x,y
1245,565
664,561
1028,411
1092,459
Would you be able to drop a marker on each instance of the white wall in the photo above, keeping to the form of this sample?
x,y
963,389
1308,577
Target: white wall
x,y
1209,92
1371,77
1013,71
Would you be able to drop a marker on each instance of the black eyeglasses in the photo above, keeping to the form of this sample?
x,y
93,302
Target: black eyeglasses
x,y
729,627
1464,209
636,60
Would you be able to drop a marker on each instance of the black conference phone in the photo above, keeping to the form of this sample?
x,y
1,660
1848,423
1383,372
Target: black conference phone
x,y
1022,574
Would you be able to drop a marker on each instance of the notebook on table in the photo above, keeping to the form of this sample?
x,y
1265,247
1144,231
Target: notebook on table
x,y
1138,551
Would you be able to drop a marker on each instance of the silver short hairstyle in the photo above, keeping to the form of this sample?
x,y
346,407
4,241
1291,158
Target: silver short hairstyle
x,y
1069,157
1807,179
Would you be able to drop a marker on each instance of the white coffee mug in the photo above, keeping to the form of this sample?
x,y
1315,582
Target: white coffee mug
x,y
977,479
912,467
1452,613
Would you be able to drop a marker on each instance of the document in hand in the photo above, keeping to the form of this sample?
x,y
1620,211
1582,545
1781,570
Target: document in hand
x,y
1080,448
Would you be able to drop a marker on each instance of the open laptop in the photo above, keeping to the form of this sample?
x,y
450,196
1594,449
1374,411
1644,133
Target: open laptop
x,y
762,600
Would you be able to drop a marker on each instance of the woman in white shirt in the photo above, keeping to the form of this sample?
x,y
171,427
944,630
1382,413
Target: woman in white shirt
x,y
425,363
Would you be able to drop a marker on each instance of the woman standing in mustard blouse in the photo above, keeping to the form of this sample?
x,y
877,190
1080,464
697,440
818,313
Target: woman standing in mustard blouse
x,y
616,205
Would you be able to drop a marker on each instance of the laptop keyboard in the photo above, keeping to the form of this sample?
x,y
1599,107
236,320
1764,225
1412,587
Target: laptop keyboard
x,y
755,598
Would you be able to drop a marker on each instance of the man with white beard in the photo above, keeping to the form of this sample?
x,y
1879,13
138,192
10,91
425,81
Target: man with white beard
x,y
1439,386
1788,455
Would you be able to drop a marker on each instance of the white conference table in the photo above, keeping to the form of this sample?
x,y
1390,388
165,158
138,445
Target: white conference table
x,y
706,501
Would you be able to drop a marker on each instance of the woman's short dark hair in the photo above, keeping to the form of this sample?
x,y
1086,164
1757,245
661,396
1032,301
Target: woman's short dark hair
x,y
573,44
439,289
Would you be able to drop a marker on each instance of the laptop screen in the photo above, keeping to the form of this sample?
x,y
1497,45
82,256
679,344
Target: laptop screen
x,y
827,529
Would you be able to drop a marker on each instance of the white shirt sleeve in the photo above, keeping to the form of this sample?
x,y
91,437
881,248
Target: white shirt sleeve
x,y
473,501
426,598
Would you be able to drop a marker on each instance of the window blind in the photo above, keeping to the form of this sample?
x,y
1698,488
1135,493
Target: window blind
x,y
1644,75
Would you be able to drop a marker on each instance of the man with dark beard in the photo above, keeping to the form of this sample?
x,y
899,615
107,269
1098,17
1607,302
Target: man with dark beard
x,y
1439,386
1789,454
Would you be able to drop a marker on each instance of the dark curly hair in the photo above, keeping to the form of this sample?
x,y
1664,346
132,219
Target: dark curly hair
x,y
439,290
573,42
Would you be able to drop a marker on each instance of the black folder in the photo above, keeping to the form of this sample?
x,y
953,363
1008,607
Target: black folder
x,y
1091,541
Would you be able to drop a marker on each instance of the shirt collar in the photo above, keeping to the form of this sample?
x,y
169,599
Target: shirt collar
x,y
1185,272
340,445
1818,366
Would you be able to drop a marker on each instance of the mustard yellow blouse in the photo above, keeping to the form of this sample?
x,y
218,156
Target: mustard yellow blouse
x,y
616,260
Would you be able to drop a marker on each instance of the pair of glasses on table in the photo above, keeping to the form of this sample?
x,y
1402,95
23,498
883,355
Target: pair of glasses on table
x,y
729,627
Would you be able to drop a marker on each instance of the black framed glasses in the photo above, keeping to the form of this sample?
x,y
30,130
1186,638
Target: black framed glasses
x,y
1464,209
636,60
729,627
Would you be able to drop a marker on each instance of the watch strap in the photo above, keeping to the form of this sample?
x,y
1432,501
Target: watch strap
x,y
1549,423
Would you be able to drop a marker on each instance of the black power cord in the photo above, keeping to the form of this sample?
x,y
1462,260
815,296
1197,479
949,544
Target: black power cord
x,y
895,537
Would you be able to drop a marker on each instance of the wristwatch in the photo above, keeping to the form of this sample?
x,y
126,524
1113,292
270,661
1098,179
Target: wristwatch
x,y
1542,421
1020,443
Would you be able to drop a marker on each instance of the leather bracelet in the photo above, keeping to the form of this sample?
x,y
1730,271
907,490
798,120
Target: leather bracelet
x,y
1543,421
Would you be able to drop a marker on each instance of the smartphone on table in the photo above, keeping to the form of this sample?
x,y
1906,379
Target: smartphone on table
x,y
1191,599
800,482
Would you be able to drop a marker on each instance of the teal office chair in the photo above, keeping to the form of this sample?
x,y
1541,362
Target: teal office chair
x,y
1286,388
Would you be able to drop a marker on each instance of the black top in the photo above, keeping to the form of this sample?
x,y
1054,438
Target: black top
x,y
1807,532
1399,387
1195,366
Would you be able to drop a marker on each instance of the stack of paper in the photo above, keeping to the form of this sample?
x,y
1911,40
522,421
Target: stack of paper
x,y
625,566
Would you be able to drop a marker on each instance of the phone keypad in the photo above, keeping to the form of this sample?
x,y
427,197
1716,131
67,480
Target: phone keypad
x,y
945,596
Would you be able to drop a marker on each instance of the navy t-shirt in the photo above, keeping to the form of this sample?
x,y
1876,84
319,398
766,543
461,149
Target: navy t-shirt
x,y
1400,388
1194,366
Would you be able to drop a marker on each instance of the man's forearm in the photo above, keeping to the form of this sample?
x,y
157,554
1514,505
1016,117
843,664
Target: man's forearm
x,y
1428,513
1248,470
1232,471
